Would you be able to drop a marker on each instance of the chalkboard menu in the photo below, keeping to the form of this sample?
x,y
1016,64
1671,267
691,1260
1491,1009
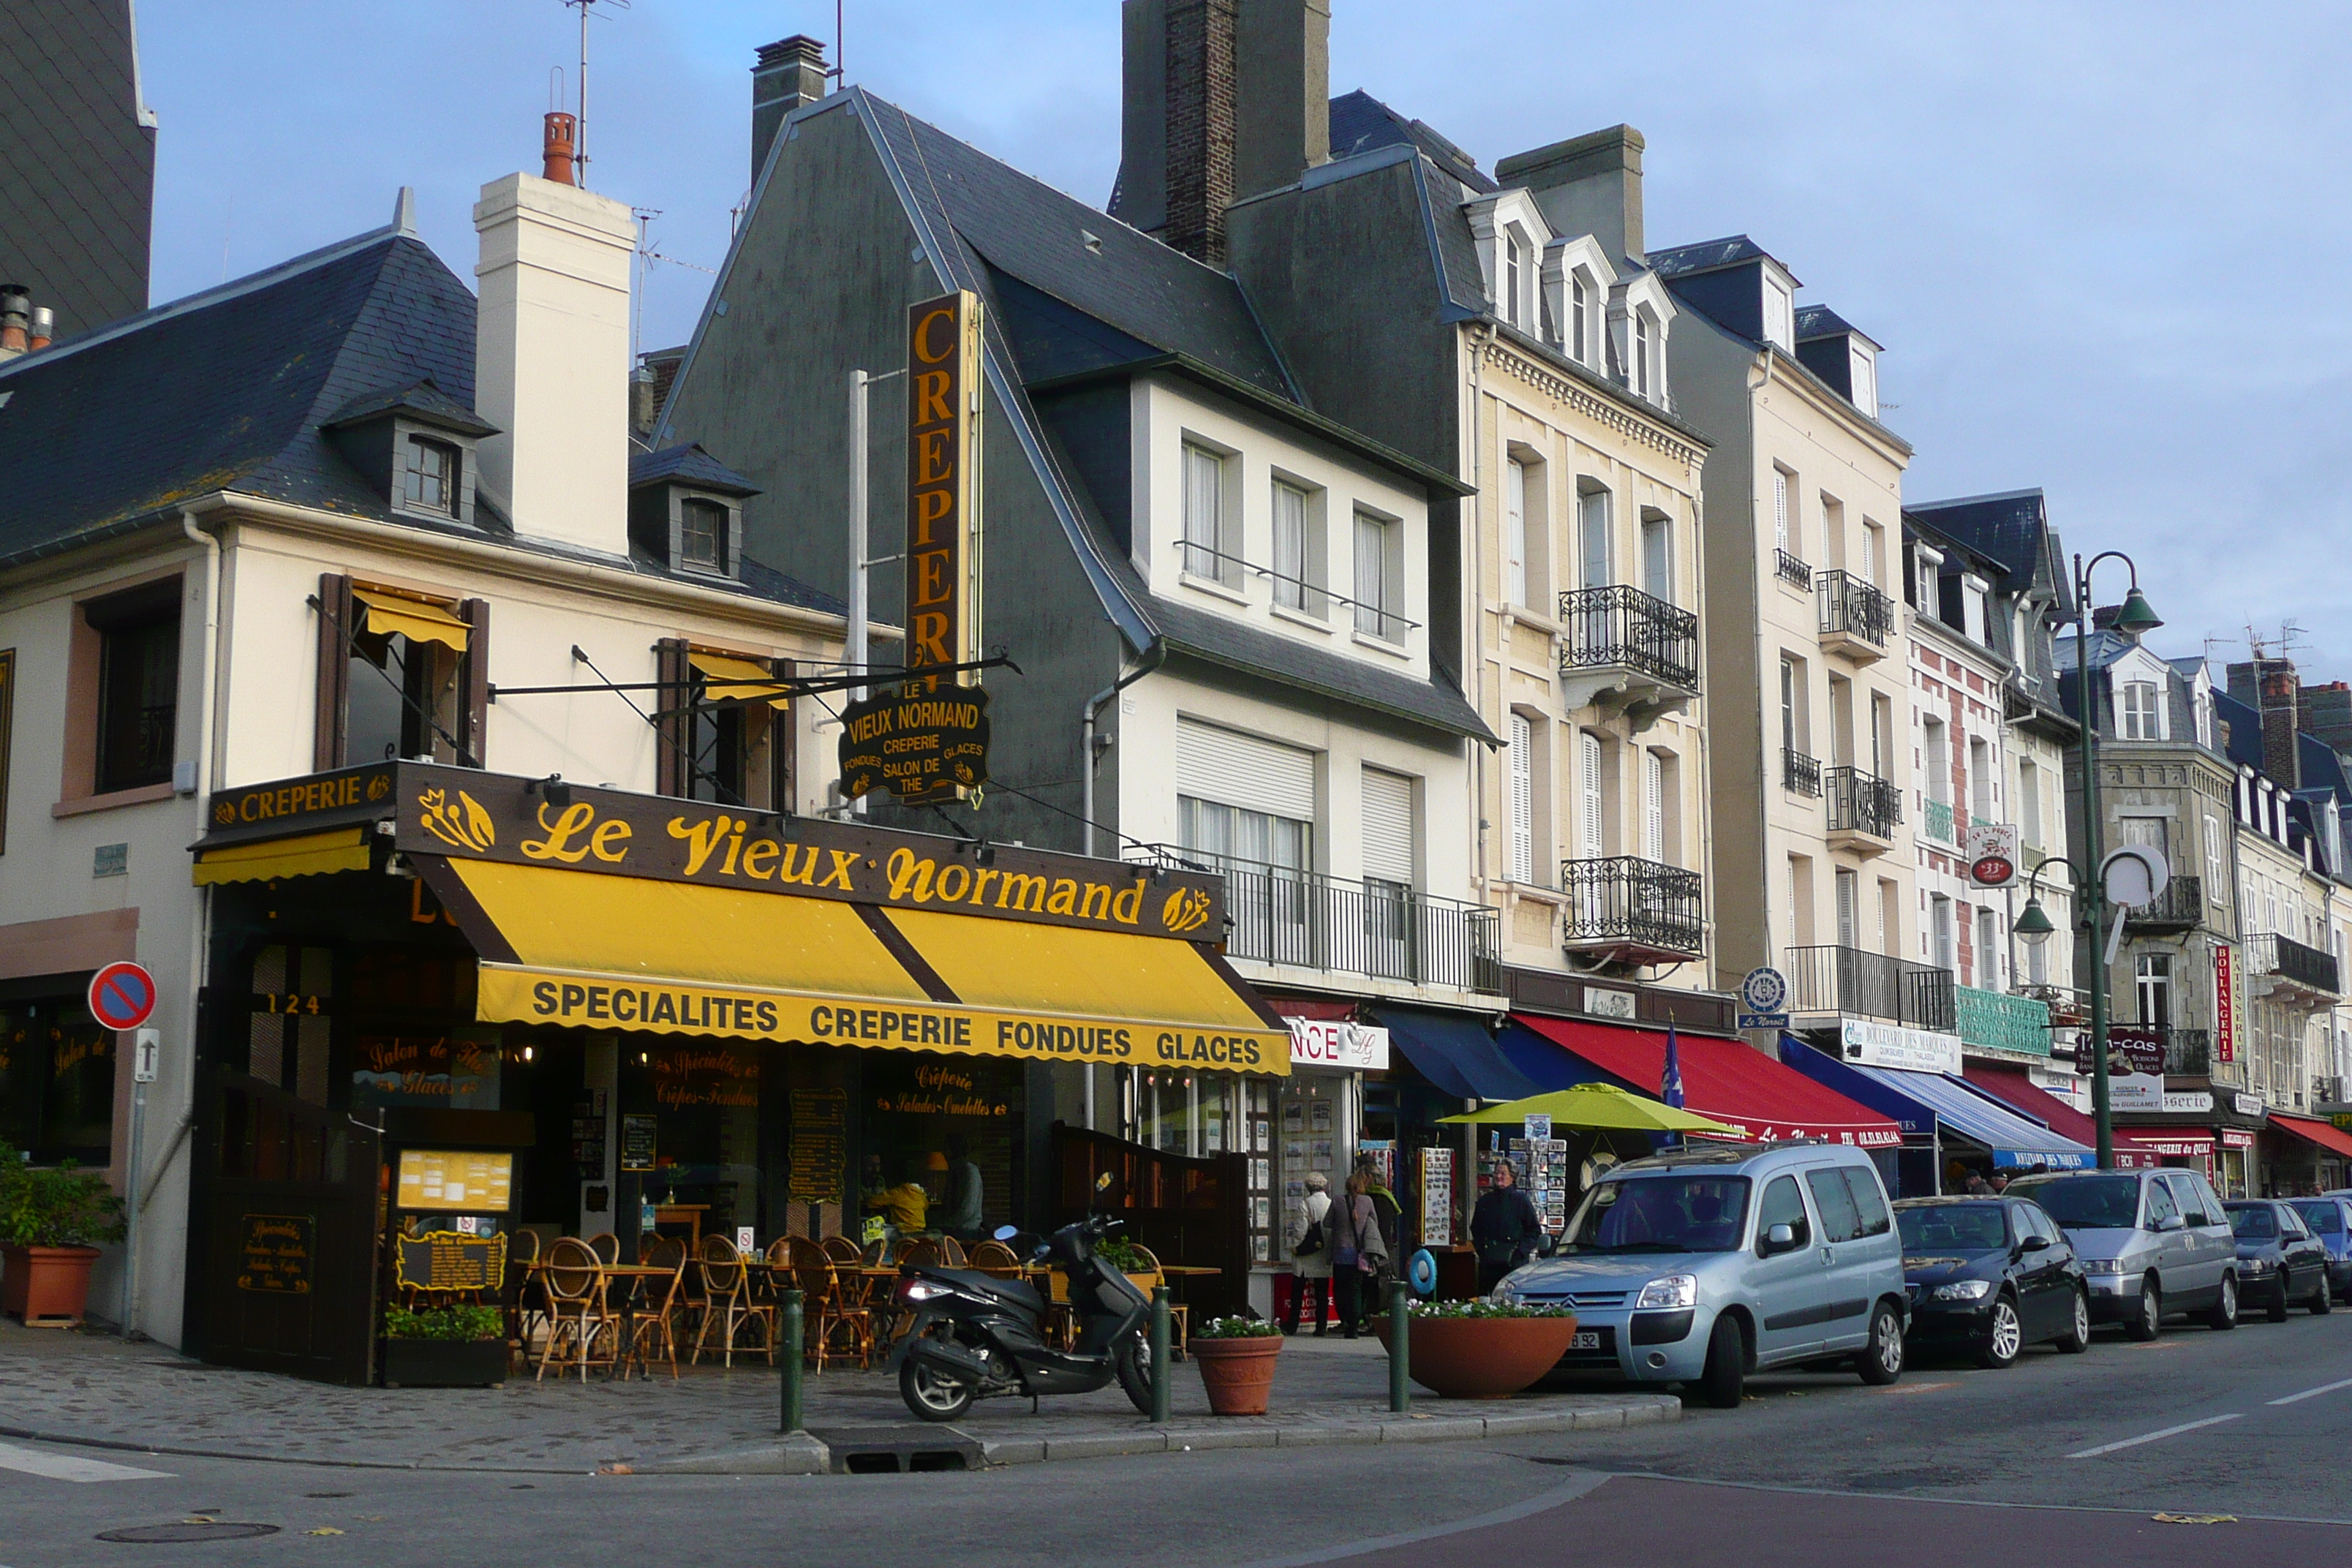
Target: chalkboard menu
x,y
638,1135
820,1130
448,1261
455,1180
275,1254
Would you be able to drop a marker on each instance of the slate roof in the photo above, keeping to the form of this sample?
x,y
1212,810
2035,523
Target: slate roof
x,y
420,399
1683,260
689,464
1362,123
2011,527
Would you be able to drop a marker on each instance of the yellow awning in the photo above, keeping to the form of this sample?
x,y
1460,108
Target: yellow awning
x,y
312,855
742,677
411,618
591,950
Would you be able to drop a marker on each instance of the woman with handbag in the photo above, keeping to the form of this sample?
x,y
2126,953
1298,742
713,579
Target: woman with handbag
x,y
1310,1256
1352,1233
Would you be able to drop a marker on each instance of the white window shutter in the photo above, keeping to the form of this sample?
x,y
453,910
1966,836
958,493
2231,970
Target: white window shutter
x,y
1594,839
1654,806
1388,827
1780,510
1515,542
1523,800
1227,766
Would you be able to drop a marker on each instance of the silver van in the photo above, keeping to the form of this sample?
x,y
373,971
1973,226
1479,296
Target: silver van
x,y
1701,1266
2156,1244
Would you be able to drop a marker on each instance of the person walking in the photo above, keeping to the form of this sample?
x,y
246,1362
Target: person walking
x,y
1352,1233
1310,1256
1503,1228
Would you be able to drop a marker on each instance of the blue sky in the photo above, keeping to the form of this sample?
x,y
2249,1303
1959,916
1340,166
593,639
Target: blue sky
x,y
2088,234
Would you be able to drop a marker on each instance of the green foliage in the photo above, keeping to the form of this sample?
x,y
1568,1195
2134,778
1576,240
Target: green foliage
x,y
1237,1328
1484,1308
60,1205
470,1323
1117,1252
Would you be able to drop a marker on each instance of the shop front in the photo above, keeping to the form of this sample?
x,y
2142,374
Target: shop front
x,y
1323,1127
624,1014
2312,1156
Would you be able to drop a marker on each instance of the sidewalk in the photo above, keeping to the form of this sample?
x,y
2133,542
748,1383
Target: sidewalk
x,y
86,1388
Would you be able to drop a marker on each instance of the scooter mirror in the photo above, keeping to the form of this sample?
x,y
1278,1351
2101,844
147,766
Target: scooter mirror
x,y
1004,1233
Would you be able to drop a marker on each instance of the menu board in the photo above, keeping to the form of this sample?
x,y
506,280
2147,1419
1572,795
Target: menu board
x,y
274,1254
1436,1172
451,1180
637,1141
450,1261
820,1147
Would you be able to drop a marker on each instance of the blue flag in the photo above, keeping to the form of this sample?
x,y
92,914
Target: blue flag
x,y
1670,1085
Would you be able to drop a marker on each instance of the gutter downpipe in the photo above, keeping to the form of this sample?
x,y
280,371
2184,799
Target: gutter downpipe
x,y
1477,595
1153,658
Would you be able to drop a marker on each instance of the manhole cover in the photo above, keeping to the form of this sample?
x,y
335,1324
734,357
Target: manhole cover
x,y
175,1534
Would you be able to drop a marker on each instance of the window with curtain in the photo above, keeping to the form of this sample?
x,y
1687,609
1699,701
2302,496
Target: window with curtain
x,y
1593,537
1593,783
1290,546
1792,734
1207,549
1376,578
1523,798
1514,533
1654,806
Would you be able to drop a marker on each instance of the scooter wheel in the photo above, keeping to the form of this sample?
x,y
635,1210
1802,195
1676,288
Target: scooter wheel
x,y
1134,1364
931,1394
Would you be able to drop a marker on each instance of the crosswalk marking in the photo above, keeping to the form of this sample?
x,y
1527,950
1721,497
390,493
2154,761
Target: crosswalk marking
x,y
72,1466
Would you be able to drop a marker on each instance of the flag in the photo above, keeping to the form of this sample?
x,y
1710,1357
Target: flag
x,y
1670,1083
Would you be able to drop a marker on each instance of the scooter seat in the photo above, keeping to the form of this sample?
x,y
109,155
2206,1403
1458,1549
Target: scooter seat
x,y
1013,1292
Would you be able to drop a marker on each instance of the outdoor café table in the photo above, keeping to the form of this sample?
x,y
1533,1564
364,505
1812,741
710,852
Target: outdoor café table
x,y
633,1272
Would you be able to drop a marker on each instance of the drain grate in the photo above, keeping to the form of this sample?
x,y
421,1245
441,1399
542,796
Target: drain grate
x,y
893,1450
185,1531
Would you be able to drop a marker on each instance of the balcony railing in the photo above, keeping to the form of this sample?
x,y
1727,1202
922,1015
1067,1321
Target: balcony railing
x,y
1622,628
1639,905
1937,822
1792,571
1872,985
1998,1021
1860,802
2180,906
2283,958
2187,1052
1853,607
1381,929
1800,774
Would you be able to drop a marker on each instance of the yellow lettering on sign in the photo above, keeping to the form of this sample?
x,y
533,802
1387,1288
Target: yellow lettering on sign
x,y
909,877
557,845
843,860
702,839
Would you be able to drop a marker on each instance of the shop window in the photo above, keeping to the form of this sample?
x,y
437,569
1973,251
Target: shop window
x,y
138,686
726,735
56,1079
948,1128
400,675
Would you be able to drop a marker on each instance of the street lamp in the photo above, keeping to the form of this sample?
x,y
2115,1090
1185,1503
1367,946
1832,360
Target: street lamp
x,y
2135,618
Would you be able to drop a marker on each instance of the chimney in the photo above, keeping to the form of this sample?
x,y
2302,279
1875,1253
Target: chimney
x,y
1590,185
790,73
558,148
1282,93
44,328
2281,758
15,313
552,359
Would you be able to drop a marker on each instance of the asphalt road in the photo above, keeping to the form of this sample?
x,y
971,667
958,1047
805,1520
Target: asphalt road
x,y
2058,1453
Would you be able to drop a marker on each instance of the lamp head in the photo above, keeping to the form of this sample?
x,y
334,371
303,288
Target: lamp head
x,y
2137,617
2033,924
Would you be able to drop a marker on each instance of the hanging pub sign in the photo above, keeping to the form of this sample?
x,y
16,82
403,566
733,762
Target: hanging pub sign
x,y
923,744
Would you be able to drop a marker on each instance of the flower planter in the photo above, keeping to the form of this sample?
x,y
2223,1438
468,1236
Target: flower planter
x,y
47,1287
1482,1358
1238,1373
444,1363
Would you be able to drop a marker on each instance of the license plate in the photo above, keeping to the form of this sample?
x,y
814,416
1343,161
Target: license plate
x,y
1585,1339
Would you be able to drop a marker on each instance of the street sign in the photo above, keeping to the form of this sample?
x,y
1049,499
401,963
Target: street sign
x,y
1538,1128
143,1052
1764,991
1992,854
1763,1020
121,996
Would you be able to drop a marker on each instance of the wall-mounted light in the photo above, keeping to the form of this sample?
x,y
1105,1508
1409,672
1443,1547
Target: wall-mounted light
x,y
556,793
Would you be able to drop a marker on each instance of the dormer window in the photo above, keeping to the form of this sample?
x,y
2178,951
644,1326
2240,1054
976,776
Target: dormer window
x,y
429,476
1579,316
1864,374
1515,271
685,510
1642,351
415,446
2141,715
702,535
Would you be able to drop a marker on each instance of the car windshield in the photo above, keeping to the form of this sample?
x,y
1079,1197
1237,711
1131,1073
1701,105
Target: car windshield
x,y
1661,1214
2085,1202
2257,1224
2322,1215
1952,1228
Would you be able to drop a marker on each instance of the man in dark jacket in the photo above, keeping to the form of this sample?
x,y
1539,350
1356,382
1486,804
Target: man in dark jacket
x,y
1503,1228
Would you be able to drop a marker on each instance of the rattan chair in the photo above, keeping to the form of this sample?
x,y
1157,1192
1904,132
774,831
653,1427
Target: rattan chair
x,y
728,1303
841,1249
838,1324
605,1246
920,1255
581,1330
525,1305
996,1260
952,1253
655,1333
1180,1316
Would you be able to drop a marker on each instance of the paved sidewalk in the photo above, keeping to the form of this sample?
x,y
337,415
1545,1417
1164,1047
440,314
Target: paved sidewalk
x,y
88,1388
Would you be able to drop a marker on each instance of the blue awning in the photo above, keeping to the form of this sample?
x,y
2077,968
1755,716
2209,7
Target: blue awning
x,y
1455,1053
1924,1102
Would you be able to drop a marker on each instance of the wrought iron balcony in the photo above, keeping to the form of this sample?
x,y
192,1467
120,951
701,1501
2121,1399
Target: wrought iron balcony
x,y
1384,930
1800,774
1999,1021
1864,810
2188,1053
1856,617
2285,967
1872,986
1635,911
1792,571
1621,640
2180,906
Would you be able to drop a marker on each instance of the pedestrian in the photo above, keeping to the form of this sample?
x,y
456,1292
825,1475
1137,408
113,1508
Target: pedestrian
x,y
1351,1234
965,1194
2000,1183
1385,1206
1504,1230
1975,1186
1310,1256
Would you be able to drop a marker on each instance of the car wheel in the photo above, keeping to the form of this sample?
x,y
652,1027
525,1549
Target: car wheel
x,y
1726,1377
2224,1315
2077,1340
2148,1321
2323,1300
1882,1358
2004,1338
2276,1310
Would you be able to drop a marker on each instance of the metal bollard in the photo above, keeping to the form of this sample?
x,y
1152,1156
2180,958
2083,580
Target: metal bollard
x,y
1400,1349
1160,1374
790,1332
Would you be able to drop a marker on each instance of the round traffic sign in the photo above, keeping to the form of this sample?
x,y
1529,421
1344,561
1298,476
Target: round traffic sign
x,y
121,996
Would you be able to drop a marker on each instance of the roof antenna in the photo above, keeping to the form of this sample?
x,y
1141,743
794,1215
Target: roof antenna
x,y
403,213
840,65
579,155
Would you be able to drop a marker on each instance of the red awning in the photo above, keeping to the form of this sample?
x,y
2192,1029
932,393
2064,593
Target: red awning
x,y
2335,1140
1727,1079
1314,1009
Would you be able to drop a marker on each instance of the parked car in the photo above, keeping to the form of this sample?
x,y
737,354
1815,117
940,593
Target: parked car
x,y
2282,1262
2330,1220
1702,1266
1994,1275
2154,1244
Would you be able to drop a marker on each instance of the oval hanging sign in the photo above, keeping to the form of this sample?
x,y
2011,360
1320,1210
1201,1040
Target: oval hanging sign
x,y
121,996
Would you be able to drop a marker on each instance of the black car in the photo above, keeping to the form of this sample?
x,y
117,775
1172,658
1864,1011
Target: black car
x,y
2280,1262
2330,1220
1992,1274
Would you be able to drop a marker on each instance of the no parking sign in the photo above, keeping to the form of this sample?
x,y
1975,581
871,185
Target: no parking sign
x,y
121,996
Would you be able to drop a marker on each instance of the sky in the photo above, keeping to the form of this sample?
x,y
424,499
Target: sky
x,y
2086,233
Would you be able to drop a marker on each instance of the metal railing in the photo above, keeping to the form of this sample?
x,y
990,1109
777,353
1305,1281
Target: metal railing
x,y
2289,960
1863,803
2188,1052
1937,822
1792,571
1626,898
1853,606
2327,1091
1622,628
1849,979
1800,774
2181,905
1999,1021
1387,931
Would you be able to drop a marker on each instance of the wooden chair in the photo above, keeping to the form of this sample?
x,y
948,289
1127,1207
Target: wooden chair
x,y
996,1260
581,1330
727,1304
1180,1316
605,1246
839,1325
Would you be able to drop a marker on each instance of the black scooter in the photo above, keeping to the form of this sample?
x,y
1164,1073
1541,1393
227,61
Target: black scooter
x,y
976,1337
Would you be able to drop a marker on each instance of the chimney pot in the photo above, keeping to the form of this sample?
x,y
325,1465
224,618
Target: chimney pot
x,y
559,147
14,314
44,327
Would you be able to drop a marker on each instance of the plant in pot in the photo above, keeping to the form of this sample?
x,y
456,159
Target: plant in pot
x,y
52,1221
1481,1349
1117,1252
1235,1356
445,1347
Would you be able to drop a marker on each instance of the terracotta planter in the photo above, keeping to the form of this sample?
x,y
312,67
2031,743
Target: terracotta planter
x,y
1482,1358
444,1363
1238,1373
47,1287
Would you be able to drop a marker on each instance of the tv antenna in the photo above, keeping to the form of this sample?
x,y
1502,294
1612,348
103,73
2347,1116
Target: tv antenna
x,y
580,149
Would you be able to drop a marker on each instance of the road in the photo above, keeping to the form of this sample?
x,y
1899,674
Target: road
x,y
2058,1453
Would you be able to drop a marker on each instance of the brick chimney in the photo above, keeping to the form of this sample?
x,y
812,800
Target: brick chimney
x,y
1587,185
2281,758
790,73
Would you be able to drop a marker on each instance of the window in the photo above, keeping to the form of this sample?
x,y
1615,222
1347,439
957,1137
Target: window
x,y
2217,885
1890,917
1783,1205
1593,537
1832,512
2037,963
2152,974
1654,806
1522,799
2204,706
1515,262
1874,551
1863,376
1658,556
138,686
1207,552
1939,912
1290,546
1841,1217
1780,317
1988,949
1800,901
1389,836
1237,833
1939,762
1849,913
2029,802
702,535
1579,305
428,479
1981,799
398,675
1515,534
1376,578
1781,508
2140,714
1793,707
1592,781
1871,1204
1641,354
726,734
57,1080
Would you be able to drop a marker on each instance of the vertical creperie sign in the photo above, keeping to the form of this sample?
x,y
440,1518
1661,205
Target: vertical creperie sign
x,y
942,481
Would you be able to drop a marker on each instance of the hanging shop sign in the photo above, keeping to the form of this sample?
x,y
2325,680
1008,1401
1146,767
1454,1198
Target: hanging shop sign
x,y
2132,1049
943,378
1992,854
1330,1043
1888,1046
2225,1006
922,744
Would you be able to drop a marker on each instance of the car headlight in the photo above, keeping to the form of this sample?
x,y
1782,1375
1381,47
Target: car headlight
x,y
2255,1266
1669,1290
1964,1290
2104,1266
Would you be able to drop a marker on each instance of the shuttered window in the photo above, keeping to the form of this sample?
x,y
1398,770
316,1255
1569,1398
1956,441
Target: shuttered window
x,y
1654,806
1780,508
1213,763
1515,536
1658,558
1592,784
1523,799
1388,827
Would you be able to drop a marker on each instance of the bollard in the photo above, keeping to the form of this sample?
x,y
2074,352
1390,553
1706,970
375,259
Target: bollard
x,y
1159,1387
1400,1349
789,1333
